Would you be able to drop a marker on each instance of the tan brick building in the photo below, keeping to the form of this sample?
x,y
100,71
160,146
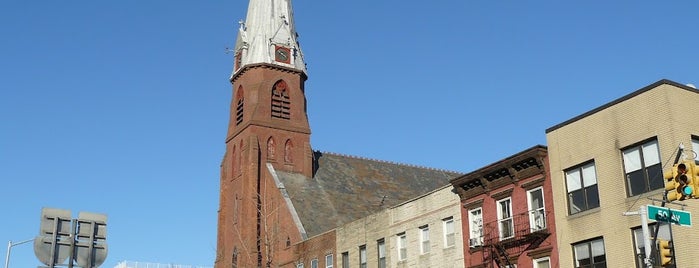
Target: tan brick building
x,y
609,161
422,232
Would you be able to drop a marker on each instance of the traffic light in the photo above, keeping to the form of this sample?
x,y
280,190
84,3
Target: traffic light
x,y
681,182
665,251
693,177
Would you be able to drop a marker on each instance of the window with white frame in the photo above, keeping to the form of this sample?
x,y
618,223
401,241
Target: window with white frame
x,y
402,244
329,261
644,172
695,148
505,221
362,256
475,227
314,263
544,262
424,239
448,224
381,247
590,254
537,213
583,193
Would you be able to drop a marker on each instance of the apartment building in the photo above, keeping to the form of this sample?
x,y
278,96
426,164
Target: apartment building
x,y
422,232
507,210
609,162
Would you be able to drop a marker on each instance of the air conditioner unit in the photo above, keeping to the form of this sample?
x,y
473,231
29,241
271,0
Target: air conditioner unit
x,y
474,242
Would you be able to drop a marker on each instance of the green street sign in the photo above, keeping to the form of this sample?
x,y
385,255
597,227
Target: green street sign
x,y
679,217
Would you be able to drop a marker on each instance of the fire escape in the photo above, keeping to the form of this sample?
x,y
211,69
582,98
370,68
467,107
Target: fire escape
x,y
510,237
501,242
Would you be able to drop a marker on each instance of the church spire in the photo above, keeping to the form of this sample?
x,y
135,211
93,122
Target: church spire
x,y
267,36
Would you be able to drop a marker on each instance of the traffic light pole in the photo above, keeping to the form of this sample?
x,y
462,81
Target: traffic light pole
x,y
678,156
647,246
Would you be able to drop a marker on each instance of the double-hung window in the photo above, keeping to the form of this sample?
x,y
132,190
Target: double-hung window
x,y
505,220
424,239
643,168
582,188
402,243
329,261
475,227
345,259
448,224
537,213
381,247
590,254
362,256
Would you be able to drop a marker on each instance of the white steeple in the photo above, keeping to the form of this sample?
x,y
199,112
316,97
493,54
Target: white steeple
x,y
268,36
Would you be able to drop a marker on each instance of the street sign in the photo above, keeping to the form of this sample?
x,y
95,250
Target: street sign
x,y
664,214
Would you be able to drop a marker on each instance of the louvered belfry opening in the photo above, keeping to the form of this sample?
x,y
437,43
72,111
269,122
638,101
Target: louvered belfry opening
x,y
280,101
239,104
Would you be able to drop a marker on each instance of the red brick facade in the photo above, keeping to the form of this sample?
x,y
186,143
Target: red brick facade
x,y
513,231
255,226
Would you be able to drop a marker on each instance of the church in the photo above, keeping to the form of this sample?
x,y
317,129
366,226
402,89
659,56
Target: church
x,y
279,198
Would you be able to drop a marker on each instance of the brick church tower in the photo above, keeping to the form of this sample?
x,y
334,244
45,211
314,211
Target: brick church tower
x,y
268,130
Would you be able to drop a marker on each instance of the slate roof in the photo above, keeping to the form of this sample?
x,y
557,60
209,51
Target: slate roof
x,y
346,188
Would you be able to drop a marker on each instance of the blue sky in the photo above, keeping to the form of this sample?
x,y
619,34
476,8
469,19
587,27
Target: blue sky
x,y
121,107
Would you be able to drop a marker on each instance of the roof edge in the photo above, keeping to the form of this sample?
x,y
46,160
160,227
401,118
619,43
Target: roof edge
x,y
389,162
619,100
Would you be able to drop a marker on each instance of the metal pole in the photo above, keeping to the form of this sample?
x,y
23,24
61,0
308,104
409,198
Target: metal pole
x,y
7,257
646,236
9,248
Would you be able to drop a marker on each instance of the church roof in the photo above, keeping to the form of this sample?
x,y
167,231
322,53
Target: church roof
x,y
346,188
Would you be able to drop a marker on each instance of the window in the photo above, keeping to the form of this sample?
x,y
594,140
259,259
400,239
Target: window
x,y
270,148
314,263
362,256
544,262
448,232
475,227
424,239
505,223
582,188
345,259
639,244
402,243
239,104
643,168
299,265
590,254
329,261
695,148
381,246
280,101
537,213
288,146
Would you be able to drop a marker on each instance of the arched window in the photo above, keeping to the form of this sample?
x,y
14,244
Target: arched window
x,y
280,100
270,148
239,104
288,149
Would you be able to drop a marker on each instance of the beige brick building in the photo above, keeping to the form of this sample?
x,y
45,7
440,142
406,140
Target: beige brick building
x,y
609,161
422,232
